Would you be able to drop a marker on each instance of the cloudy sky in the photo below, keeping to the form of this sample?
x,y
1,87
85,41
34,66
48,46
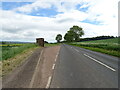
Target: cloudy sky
x,y
25,21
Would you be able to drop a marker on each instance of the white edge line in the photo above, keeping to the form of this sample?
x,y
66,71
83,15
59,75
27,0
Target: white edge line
x,y
101,63
53,67
48,83
32,81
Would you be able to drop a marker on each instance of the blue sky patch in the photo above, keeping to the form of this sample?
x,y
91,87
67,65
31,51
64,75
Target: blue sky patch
x,y
12,5
81,9
45,12
92,22
48,12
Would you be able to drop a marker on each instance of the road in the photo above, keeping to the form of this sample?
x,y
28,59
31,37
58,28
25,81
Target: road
x,y
34,72
81,68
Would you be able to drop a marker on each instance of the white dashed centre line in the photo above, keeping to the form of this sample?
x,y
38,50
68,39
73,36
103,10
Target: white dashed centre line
x,y
50,77
49,81
53,67
101,63
56,58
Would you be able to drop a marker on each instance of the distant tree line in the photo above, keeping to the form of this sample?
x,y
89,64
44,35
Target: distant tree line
x,y
96,38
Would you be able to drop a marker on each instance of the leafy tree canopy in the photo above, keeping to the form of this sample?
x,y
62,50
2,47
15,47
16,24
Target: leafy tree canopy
x,y
74,34
58,38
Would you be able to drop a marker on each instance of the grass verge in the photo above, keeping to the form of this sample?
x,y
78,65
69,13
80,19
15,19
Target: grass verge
x,y
11,63
11,51
106,51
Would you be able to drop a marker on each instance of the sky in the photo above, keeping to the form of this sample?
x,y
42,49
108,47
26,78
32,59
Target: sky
x,y
26,20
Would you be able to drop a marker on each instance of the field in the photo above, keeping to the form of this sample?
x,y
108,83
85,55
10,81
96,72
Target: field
x,y
108,46
10,50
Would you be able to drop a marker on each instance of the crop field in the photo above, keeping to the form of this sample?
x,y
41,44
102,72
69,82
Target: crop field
x,y
108,46
10,50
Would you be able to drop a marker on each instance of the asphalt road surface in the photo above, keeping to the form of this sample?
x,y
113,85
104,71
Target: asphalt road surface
x,y
81,68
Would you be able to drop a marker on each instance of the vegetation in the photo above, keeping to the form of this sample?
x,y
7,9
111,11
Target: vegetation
x,y
108,46
11,63
10,50
97,38
58,37
74,34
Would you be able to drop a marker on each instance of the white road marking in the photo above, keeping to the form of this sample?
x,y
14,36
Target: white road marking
x,y
56,57
76,50
101,63
57,53
49,81
32,81
53,67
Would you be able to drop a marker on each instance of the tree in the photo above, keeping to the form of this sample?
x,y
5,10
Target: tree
x,y
74,34
58,37
69,36
78,32
45,41
4,42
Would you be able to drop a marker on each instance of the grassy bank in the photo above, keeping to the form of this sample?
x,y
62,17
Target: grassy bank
x,y
11,63
13,55
9,51
108,46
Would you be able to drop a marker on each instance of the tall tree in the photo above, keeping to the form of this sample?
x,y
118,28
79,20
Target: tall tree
x,y
74,34
69,36
58,37
78,31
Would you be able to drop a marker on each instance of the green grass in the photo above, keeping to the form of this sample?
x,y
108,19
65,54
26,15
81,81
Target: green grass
x,y
11,63
10,51
107,46
110,41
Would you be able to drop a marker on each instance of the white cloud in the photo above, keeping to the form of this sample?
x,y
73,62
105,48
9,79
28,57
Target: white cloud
x,y
34,6
71,16
18,26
